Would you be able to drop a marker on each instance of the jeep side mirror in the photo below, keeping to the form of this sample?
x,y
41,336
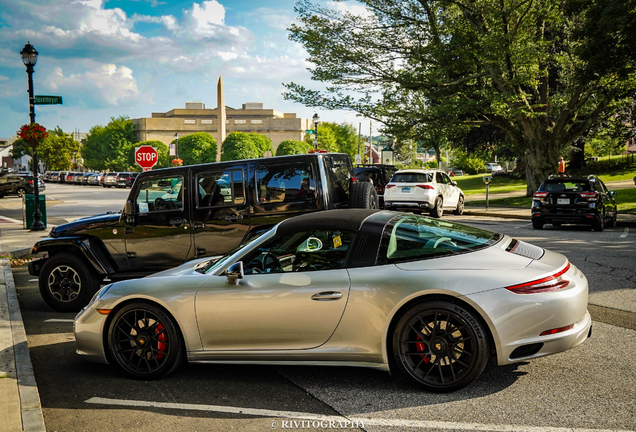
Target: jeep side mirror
x,y
128,212
234,273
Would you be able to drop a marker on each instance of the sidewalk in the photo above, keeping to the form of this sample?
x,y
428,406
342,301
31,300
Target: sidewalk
x,y
20,408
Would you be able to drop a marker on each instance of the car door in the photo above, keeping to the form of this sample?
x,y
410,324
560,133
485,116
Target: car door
x,y
221,215
445,189
158,234
292,296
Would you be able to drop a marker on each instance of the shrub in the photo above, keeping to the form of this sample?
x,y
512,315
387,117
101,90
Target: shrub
x,y
239,145
292,147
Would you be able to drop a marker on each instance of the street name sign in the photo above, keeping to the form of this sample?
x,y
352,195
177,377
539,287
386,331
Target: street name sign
x,y
146,156
310,132
47,100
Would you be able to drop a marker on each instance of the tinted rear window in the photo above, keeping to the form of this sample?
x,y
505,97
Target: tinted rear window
x,y
566,186
412,178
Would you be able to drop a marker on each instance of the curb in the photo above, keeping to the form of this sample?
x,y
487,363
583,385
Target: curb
x,y
30,406
619,222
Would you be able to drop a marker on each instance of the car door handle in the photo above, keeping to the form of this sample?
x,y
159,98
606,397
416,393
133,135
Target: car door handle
x,y
178,222
233,218
327,295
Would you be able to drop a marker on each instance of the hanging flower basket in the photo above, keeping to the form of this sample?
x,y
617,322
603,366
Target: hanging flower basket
x,y
177,162
33,134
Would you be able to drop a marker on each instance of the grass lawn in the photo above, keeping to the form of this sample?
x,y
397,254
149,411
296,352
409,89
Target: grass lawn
x,y
474,184
625,198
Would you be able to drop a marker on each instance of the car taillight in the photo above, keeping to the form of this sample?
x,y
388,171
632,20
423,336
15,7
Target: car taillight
x,y
540,195
389,186
557,330
590,196
550,283
425,186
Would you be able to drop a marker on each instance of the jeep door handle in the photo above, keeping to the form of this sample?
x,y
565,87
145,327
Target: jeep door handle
x,y
327,295
178,222
233,218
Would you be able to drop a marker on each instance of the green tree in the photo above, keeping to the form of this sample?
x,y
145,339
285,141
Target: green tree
x,y
106,147
239,145
57,150
326,138
197,148
19,149
345,134
263,143
292,147
525,68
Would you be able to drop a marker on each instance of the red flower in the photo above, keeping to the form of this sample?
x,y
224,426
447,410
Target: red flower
x,y
32,132
177,162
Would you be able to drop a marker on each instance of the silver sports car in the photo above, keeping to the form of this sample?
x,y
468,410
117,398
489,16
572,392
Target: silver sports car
x,y
431,299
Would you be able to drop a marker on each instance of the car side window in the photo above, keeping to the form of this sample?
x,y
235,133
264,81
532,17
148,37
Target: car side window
x,y
339,176
220,188
309,250
440,178
160,194
285,188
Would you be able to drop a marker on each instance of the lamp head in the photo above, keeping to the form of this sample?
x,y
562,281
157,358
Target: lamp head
x,y
29,55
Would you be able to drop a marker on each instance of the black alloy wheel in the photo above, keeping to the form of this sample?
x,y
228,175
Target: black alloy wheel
x,y
144,342
438,209
440,346
613,220
67,283
599,225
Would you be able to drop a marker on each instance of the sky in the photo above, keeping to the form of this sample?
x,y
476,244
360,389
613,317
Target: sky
x,y
108,58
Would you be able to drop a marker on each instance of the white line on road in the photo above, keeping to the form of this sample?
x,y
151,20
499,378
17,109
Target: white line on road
x,y
625,233
8,219
318,417
59,320
33,280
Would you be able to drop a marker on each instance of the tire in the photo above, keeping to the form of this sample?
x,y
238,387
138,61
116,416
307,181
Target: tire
x,y
460,206
144,341
20,192
613,220
600,224
66,283
438,210
537,224
443,361
363,195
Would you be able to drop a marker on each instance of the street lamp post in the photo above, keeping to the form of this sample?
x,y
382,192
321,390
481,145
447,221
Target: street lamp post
x,y
176,145
316,119
30,58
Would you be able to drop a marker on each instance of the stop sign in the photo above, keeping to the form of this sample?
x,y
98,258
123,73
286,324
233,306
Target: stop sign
x,y
146,156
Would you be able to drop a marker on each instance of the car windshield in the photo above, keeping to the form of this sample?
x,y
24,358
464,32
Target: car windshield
x,y
413,237
214,263
412,178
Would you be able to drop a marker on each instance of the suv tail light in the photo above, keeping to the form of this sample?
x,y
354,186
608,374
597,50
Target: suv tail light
x,y
389,186
540,195
425,186
590,196
550,283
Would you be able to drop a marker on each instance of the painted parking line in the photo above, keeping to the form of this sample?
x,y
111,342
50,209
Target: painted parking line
x,y
8,219
422,425
69,320
625,233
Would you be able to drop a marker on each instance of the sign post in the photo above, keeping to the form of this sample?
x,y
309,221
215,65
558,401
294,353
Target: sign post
x,y
146,157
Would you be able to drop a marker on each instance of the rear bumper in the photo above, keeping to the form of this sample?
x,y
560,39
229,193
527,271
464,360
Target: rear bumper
x,y
408,205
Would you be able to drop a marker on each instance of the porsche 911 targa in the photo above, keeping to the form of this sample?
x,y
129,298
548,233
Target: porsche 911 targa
x,y
430,299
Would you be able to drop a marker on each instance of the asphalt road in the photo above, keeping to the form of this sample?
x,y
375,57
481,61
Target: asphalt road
x,y
590,388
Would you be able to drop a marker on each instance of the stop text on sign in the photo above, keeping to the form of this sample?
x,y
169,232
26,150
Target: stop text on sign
x,y
146,157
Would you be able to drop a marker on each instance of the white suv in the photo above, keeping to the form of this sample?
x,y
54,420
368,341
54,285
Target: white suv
x,y
493,167
423,190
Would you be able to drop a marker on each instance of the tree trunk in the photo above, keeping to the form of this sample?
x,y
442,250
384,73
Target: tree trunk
x,y
542,155
577,156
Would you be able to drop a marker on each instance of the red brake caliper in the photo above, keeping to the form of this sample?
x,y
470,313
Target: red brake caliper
x,y
421,348
161,347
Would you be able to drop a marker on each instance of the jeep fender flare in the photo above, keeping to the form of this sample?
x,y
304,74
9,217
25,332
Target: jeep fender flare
x,y
90,249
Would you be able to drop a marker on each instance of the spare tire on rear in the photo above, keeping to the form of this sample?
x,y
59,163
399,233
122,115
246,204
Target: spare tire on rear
x,y
363,195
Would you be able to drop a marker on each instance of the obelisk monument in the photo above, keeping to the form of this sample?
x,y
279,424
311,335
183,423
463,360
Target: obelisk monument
x,y
220,130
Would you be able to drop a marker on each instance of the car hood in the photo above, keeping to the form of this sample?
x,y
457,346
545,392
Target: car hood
x,y
84,224
183,269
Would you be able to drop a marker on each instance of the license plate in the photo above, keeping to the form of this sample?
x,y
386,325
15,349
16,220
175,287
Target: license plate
x,y
565,201
406,189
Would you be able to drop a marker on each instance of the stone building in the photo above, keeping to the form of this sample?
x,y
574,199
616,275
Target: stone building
x,y
195,117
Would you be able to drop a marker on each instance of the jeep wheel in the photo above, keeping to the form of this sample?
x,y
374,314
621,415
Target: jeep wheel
x,y
363,195
67,283
20,192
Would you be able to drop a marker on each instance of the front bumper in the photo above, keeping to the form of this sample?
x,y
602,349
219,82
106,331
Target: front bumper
x,y
88,327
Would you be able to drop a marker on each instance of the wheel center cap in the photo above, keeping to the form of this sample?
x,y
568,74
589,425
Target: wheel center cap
x,y
439,346
142,340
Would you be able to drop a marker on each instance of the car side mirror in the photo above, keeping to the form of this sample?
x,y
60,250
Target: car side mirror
x,y
612,193
128,212
453,182
234,273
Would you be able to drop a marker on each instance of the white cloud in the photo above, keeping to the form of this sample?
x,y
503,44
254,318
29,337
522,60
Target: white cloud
x,y
206,19
4,78
279,19
113,85
353,9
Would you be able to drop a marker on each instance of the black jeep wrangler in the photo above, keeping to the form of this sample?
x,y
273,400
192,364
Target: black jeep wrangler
x,y
174,215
